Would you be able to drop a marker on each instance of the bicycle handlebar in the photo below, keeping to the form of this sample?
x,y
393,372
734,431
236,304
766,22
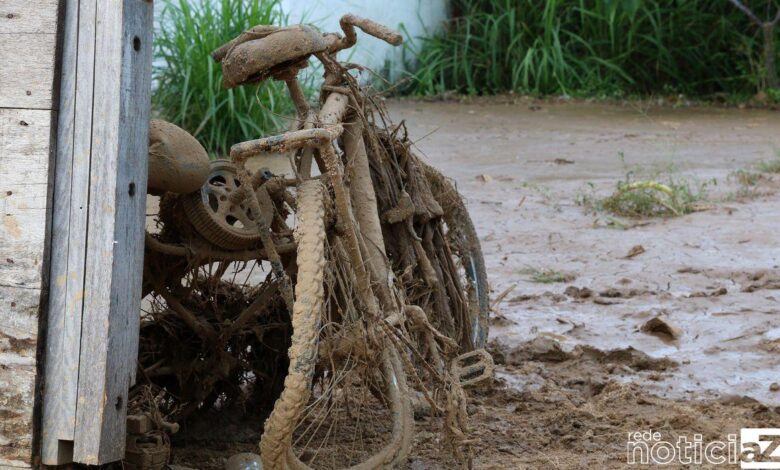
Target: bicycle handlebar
x,y
337,43
281,143
372,28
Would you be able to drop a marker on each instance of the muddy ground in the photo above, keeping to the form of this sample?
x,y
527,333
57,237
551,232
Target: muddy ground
x,y
577,371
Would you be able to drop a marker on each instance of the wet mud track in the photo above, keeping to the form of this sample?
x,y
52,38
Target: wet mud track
x,y
579,368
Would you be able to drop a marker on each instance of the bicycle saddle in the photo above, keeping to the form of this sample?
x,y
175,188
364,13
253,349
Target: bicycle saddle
x,y
263,52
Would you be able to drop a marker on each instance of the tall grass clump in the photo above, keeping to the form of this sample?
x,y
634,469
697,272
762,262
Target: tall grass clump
x,y
188,83
599,47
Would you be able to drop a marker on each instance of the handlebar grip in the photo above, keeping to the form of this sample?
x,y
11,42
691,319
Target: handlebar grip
x,y
349,21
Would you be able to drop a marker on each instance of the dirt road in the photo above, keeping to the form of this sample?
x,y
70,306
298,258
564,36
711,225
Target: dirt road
x,y
579,370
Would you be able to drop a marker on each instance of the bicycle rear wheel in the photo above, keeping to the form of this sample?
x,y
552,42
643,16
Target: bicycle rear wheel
x,y
465,245
431,241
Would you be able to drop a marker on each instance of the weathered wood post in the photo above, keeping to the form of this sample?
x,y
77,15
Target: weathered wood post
x,y
74,112
28,117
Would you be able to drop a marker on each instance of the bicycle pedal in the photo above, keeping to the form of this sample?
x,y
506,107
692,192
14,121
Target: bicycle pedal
x,y
473,367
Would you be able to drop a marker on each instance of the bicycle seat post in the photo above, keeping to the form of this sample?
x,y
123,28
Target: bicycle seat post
x,y
297,96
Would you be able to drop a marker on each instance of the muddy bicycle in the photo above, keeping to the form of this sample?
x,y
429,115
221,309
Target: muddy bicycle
x,y
341,296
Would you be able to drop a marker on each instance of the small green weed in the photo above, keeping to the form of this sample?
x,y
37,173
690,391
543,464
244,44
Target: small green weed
x,y
754,182
769,166
747,185
746,177
643,192
676,197
547,275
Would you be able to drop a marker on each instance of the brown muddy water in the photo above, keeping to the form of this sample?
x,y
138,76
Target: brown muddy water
x,y
712,275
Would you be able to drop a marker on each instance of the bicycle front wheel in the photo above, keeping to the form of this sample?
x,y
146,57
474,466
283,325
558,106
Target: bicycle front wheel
x,y
345,403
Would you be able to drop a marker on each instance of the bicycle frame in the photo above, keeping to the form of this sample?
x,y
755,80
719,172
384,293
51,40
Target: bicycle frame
x,y
368,250
317,134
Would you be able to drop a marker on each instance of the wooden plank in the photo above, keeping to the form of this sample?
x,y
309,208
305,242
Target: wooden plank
x,y
26,17
24,199
28,36
17,375
28,41
117,193
63,338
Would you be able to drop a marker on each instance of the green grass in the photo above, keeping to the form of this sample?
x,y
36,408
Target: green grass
x,y
596,48
746,177
769,166
188,83
676,197
648,192
547,275
754,182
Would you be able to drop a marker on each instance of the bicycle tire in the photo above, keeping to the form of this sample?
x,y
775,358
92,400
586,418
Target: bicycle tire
x,y
457,217
276,444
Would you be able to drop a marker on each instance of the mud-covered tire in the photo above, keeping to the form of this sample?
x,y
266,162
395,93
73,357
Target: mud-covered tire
x,y
276,447
276,441
458,220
